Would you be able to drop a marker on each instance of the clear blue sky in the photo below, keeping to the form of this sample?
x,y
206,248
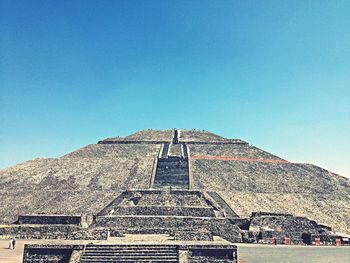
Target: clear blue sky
x,y
274,73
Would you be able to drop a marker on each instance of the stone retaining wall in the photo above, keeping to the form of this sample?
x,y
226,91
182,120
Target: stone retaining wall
x,y
208,253
56,232
226,228
49,219
124,141
48,253
265,226
178,211
192,235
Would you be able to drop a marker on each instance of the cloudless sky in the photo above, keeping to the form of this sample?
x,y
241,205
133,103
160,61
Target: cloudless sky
x,y
273,73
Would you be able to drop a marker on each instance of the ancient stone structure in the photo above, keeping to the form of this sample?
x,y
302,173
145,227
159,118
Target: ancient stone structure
x,y
200,191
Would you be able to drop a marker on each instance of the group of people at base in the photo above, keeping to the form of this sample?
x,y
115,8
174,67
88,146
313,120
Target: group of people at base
x,y
12,243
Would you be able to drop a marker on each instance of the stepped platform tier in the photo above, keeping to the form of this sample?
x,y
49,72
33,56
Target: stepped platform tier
x,y
168,202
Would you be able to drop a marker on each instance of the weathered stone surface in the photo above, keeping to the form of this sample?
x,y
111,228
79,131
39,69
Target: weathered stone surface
x,y
50,220
108,151
226,228
230,150
48,253
259,177
192,235
66,232
69,186
327,209
87,180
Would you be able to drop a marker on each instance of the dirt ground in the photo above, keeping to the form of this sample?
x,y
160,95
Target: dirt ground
x,y
11,255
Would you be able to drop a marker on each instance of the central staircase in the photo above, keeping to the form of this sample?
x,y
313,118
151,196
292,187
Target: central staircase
x,y
172,167
172,172
130,253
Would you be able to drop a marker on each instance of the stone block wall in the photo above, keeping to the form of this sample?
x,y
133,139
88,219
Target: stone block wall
x,y
49,219
192,235
48,253
66,232
208,254
267,226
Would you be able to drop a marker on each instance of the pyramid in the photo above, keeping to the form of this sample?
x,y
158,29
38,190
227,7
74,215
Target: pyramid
x,y
218,185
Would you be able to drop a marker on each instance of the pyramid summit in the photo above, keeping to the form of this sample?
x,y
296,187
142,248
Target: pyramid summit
x,y
190,184
168,135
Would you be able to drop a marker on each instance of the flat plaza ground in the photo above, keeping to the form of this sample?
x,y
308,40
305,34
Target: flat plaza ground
x,y
292,254
247,253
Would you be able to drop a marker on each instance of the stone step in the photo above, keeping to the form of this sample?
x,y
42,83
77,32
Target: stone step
x,y
135,259
130,247
124,250
168,247
172,169
173,186
102,257
128,260
175,150
174,179
179,179
128,257
129,254
172,182
172,174
170,162
142,252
